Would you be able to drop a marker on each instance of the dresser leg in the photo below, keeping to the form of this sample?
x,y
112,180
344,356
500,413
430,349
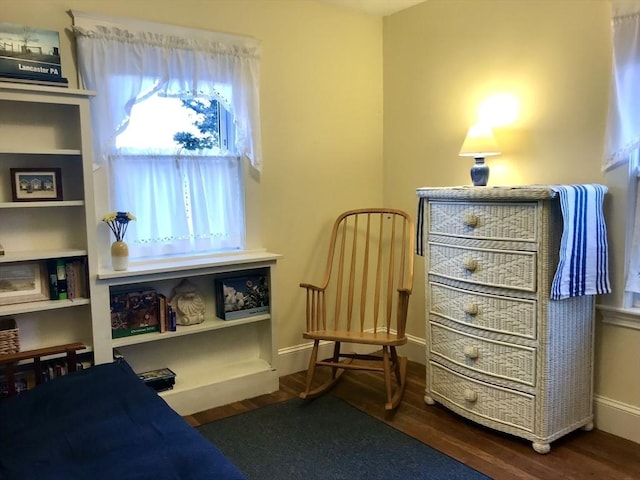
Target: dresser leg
x,y
541,447
588,427
428,400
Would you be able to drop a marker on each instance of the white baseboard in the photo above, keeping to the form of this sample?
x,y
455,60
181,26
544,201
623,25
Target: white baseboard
x,y
611,416
617,418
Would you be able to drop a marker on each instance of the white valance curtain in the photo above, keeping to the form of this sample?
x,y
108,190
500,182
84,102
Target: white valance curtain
x,y
185,202
150,58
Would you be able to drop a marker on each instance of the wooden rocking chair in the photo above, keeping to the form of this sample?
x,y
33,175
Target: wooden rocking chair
x,y
363,299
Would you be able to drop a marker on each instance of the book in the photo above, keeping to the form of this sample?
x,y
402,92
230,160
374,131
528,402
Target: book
x,y
29,52
61,273
52,275
171,319
162,312
63,82
70,272
160,380
133,312
76,269
242,295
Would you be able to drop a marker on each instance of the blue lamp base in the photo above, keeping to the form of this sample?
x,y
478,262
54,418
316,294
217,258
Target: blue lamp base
x,y
480,173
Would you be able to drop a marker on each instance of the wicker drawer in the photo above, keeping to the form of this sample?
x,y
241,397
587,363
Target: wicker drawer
x,y
508,361
496,268
496,221
488,312
475,398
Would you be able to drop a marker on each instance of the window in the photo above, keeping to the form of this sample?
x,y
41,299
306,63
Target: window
x,y
623,137
154,81
173,170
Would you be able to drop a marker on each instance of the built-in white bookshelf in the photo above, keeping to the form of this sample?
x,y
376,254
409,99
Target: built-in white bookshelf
x,y
216,362
45,128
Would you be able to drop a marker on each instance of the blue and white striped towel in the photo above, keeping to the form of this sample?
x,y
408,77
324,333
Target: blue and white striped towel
x,y
583,267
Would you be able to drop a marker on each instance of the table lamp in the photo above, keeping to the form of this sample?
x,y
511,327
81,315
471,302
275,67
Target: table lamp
x,y
479,143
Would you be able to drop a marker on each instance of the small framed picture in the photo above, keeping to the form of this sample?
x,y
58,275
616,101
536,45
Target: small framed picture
x,y
242,295
23,282
36,184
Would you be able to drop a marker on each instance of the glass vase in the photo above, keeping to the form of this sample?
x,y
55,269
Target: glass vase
x,y
119,255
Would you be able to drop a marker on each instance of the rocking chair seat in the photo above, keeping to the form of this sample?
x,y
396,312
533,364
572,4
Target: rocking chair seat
x,y
368,338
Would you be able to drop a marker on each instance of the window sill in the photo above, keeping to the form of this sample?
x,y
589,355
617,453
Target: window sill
x,y
204,262
621,317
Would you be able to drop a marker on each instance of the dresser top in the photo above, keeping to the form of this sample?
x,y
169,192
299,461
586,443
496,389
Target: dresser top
x,y
468,192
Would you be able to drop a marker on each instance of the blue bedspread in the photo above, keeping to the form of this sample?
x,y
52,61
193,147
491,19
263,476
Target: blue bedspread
x,y
102,423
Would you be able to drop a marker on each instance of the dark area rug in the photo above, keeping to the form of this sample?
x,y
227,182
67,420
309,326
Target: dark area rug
x,y
326,439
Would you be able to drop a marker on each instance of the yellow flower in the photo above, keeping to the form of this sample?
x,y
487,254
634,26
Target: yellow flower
x,y
118,222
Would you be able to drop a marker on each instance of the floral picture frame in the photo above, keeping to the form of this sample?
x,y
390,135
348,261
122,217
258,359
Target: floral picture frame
x,y
23,282
36,184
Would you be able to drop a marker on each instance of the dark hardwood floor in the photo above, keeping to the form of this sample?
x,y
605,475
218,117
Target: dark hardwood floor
x,y
579,455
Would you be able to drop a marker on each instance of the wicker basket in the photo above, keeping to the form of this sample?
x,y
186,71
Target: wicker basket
x,y
9,341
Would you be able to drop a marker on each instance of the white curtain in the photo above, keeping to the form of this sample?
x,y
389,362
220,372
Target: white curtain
x,y
623,125
159,188
126,63
184,204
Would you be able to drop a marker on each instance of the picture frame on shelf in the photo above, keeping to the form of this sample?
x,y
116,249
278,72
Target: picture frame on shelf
x,y
242,295
23,282
36,184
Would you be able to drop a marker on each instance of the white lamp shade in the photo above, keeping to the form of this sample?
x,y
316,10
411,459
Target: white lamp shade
x,y
479,142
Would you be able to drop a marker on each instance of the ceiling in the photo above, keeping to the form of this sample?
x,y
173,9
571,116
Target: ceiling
x,y
376,7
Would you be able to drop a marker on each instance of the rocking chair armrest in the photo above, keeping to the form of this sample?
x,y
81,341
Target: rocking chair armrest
x,y
309,286
404,291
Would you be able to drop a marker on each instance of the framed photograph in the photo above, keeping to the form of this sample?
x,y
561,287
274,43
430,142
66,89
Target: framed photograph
x,y
242,295
36,184
23,282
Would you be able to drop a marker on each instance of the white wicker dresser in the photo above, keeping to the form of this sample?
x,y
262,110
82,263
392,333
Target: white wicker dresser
x,y
499,351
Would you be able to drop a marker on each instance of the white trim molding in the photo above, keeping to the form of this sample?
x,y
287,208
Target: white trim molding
x,y
617,418
621,317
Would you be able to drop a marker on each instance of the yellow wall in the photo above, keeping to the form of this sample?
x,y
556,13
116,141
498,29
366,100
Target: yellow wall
x,y
321,108
324,140
443,57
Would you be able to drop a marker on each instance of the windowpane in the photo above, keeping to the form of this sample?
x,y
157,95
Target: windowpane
x,y
185,201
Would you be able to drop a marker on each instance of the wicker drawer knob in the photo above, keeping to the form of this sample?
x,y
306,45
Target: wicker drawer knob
x,y
470,395
470,265
470,309
471,351
471,220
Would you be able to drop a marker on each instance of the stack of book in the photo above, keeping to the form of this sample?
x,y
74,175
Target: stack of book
x,y
68,278
30,55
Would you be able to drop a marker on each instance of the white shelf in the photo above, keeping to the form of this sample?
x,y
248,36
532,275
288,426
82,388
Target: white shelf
x,y
189,379
192,266
35,255
182,330
45,93
216,361
196,391
49,127
46,204
41,151
41,306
